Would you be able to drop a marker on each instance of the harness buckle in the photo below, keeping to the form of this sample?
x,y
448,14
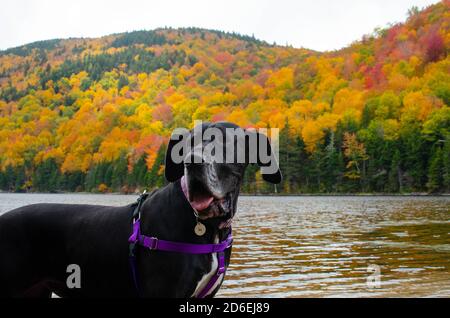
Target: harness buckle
x,y
221,270
154,245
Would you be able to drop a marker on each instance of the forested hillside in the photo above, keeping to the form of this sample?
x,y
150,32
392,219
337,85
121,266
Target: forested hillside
x,y
95,114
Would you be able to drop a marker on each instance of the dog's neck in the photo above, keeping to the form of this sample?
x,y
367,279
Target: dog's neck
x,y
179,218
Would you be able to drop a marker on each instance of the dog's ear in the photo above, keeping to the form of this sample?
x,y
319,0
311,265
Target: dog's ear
x,y
268,163
174,167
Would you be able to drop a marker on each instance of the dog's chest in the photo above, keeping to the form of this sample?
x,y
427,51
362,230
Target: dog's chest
x,y
206,278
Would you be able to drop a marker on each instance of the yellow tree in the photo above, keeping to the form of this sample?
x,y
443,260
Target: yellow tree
x,y
349,100
355,152
279,82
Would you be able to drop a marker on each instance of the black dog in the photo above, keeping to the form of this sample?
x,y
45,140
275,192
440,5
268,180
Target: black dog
x,y
39,242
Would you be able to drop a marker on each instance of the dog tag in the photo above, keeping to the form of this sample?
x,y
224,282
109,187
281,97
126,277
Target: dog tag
x,y
200,229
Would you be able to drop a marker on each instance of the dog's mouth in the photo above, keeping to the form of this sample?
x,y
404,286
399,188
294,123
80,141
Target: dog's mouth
x,y
210,206
207,204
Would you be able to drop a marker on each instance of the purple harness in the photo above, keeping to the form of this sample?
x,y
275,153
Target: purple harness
x,y
155,244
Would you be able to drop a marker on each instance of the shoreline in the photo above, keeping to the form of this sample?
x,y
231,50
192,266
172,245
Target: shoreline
x,y
413,194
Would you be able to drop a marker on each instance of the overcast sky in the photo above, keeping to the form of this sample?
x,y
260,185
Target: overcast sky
x,y
314,24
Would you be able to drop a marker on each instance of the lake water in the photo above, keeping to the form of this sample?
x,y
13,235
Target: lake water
x,y
324,246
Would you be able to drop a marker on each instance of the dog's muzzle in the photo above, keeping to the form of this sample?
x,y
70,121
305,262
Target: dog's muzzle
x,y
205,204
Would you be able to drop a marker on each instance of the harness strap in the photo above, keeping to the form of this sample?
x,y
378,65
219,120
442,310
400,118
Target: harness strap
x,y
156,244
221,269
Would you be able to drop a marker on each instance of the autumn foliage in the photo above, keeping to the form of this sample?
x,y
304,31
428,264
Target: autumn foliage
x,y
95,114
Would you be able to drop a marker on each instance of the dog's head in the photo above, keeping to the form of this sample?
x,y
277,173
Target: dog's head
x,y
211,160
